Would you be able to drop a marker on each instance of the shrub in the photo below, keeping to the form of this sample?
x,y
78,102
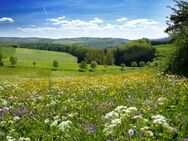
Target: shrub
x,y
93,65
134,64
83,66
34,63
123,67
1,63
148,63
55,64
1,60
13,61
141,64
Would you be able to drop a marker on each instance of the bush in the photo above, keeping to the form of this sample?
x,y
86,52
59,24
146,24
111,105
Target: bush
x,y
55,64
1,60
134,64
13,61
34,63
148,63
1,63
83,66
141,64
93,65
123,67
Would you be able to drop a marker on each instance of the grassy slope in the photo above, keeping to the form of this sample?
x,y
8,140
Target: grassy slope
x,y
44,59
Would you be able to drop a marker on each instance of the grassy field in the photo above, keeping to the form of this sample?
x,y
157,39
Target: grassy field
x,y
44,64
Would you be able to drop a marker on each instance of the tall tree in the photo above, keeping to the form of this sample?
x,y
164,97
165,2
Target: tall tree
x,y
177,62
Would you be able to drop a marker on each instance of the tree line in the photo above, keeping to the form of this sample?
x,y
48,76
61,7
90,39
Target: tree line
x,y
135,51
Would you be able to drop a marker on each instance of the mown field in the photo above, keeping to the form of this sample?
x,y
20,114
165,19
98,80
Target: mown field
x,y
131,106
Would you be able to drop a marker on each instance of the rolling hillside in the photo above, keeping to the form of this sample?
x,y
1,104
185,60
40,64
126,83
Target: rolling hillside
x,y
68,66
85,41
30,55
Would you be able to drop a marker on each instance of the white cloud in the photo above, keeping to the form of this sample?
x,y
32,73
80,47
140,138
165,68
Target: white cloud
x,y
75,23
141,22
132,29
6,20
56,21
122,19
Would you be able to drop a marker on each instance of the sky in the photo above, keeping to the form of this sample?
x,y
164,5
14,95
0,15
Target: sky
x,y
130,19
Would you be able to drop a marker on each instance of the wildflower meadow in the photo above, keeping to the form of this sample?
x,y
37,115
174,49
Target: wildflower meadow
x,y
142,106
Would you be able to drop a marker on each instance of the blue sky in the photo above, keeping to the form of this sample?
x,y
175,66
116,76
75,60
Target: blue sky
x,y
130,19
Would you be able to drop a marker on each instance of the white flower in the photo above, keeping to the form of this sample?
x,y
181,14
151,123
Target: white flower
x,y
9,138
56,117
150,133
16,118
158,119
130,110
115,118
111,115
144,128
116,121
4,102
120,108
64,118
64,125
72,115
47,120
145,120
162,100
24,139
137,117
131,132
10,122
167,126
54,123
109,128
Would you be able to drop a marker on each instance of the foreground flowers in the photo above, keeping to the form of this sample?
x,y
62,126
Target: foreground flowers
x,y
132,106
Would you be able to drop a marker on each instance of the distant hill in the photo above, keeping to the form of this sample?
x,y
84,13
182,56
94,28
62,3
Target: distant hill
x,y
94,42
17,39
160,41
85,41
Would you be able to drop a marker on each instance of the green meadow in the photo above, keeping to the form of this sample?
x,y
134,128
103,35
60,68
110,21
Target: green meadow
x,y
68,66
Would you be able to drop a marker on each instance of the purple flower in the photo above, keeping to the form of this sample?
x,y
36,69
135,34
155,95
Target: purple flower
x,y
134,128
108,139
140,134
1,111
90,128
